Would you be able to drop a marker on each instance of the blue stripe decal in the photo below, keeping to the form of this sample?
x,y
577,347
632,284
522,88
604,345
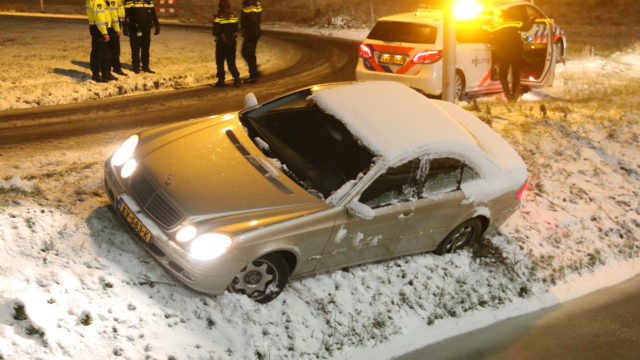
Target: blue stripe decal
x,y
386,68
367,64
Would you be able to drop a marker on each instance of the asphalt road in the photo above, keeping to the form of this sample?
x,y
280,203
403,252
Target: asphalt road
x,y
601,325
322,60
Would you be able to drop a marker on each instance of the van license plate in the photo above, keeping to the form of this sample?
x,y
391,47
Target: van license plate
x,y
392,59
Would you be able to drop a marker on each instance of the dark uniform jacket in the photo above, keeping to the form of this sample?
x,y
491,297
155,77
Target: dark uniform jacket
x,y
250,18
225,28
141,14
506,38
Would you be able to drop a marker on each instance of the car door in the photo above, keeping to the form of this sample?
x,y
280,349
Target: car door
x,y
356,240
539,53
440,206
473,57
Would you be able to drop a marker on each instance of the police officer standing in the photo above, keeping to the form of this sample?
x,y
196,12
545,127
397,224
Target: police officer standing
x,y
99,28
225,28
116,10
508,50
140,16
250,24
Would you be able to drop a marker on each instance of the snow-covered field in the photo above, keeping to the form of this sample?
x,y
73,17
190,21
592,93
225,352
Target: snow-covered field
x,y
74,284
59,72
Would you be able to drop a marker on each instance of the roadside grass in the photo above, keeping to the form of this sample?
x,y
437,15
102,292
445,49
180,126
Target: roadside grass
x,y
593,124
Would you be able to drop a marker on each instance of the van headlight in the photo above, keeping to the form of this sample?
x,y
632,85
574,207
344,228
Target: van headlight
x,y
125,151
209,246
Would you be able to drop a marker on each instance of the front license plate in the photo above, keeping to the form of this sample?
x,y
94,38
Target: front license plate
x,y
131,218
392,59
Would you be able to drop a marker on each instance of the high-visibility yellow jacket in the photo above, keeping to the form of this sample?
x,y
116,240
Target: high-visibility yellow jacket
x,y
98,15
114,13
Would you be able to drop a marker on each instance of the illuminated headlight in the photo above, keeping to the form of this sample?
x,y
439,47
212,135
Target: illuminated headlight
x,y
125,151
209,246
128,168
186,233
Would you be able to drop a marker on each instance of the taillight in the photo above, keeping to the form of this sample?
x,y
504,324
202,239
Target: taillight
x,y
520,194
365,51
428,57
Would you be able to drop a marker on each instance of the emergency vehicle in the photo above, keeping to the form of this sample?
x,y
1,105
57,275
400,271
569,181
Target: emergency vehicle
x,y
408,48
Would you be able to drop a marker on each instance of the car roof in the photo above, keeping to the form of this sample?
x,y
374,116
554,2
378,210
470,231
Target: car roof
x,y
391,119
430,17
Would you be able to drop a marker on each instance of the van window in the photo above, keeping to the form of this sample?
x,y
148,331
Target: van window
x,y
398,31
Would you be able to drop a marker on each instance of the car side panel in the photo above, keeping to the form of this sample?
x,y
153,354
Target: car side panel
x,y
431,220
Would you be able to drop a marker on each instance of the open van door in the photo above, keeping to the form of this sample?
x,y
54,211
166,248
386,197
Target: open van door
x,y
539,63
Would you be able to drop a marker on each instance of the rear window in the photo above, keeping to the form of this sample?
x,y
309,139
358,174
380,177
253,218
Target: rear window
x,y
397,31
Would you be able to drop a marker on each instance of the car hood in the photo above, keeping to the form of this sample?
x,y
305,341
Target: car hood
x,y
212,171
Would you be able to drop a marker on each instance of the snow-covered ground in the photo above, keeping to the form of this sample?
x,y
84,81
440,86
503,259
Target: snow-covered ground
x,y
74,284
58,73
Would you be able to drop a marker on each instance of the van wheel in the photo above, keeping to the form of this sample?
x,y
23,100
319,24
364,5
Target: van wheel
x,y
459,85
262,279
464,234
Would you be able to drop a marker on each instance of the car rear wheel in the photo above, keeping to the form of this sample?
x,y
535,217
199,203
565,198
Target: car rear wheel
x,y
262,279
464,234
459,85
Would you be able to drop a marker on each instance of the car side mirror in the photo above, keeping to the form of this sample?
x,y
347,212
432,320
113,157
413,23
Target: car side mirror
x,y
360,210
250,100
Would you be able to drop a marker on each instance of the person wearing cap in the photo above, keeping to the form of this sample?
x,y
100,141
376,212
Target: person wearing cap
x,y
140,16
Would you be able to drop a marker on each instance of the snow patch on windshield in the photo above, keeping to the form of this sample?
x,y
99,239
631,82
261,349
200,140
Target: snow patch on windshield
x,y
262,144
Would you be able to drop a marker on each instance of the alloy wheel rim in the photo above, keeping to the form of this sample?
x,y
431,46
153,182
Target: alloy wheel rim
x,y
458,87
255,278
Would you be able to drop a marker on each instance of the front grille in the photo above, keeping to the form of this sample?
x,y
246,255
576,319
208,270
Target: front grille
x,y
153,201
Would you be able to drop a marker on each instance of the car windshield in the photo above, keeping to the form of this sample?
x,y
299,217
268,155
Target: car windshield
x,y
399,31
314,148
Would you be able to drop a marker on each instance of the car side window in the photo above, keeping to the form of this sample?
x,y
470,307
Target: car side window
x,y
444,175
394,186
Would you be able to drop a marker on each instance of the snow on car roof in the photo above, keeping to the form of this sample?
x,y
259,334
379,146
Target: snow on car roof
x,y
390,118
395,122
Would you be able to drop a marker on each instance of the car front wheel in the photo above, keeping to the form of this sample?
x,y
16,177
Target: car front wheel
x,y
464,234
262,279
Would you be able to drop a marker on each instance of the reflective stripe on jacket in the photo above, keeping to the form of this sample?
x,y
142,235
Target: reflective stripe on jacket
x,y
141,14
225,29
98,15
114,14
499,25
252,8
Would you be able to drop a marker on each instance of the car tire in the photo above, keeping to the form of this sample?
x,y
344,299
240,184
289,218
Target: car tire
x,y
263,279
559,49
464,234
460,84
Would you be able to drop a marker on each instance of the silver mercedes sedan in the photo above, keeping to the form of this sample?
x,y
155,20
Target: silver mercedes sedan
x,y
329,176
